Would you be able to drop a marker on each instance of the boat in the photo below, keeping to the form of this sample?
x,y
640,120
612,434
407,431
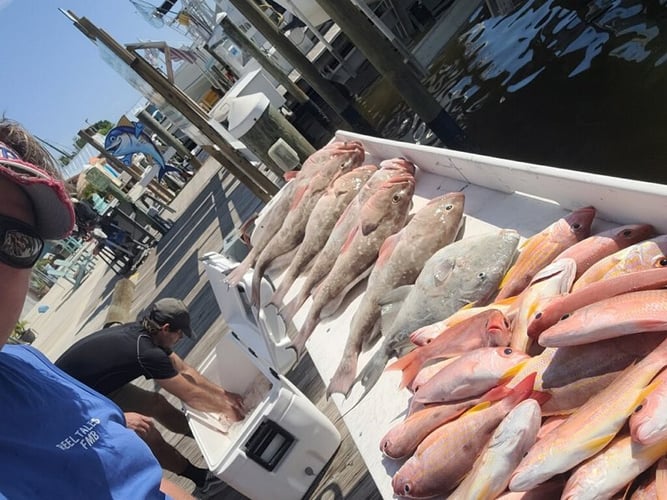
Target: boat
x,y
500,193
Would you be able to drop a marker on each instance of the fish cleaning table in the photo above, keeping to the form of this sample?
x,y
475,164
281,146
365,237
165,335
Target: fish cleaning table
x,y
499,194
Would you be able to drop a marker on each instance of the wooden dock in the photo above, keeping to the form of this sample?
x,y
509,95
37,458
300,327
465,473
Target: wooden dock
x,y
207,210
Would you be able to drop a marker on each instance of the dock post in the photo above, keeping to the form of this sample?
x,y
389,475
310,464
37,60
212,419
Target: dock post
x,y
168,138
344,107
390,64
239,38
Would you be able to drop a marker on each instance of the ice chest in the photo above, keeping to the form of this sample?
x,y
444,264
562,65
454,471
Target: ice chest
x,y
266,332
284,442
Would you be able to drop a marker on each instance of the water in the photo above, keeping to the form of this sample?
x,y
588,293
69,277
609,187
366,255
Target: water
x,y
572,84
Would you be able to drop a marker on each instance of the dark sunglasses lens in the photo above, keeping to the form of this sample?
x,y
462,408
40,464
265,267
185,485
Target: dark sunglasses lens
x,y
19,248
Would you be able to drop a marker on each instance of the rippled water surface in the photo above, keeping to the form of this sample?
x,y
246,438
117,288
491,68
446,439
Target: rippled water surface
x,y
572,84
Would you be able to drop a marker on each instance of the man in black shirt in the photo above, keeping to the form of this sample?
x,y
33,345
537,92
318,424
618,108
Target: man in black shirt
x,y
108,360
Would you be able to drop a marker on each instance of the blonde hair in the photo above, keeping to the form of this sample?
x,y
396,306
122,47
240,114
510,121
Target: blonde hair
x,y
14,135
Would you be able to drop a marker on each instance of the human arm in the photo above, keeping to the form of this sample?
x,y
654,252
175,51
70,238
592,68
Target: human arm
x,y
141,424
199,392
174,491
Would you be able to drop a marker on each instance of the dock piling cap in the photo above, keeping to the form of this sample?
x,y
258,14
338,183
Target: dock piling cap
x,y
244,112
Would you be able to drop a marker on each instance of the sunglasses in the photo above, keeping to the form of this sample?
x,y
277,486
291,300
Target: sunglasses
x,y
20,245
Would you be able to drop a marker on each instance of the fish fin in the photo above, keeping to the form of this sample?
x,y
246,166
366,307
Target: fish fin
x,y
390,305
349,240
368,226
409,364
478,407
387,249
661,479
370,340
165,169
290,174
646,391
462,228
524,388
540,396
298,196
595,445
138,128
443,272
127,159
509,374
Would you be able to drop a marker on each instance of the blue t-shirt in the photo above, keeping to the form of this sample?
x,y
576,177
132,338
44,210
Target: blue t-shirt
x,y
63,440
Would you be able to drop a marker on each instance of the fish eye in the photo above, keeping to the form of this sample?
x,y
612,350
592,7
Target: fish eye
x,y
506,322
663,262
627,233
565,316
406,488
396,198
538,315
525,453
508,351
576,225
449,207
639,408
481,275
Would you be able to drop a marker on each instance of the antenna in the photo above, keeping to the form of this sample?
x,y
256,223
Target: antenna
x,y
149,12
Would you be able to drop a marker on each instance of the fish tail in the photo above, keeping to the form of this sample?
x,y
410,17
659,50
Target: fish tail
x,y
257,282
288,311
299,342
343,379
409,365
371,372
279,295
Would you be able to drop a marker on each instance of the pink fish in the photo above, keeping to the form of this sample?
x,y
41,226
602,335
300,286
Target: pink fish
x,y
446,455
471,374
648,424
488,328
551,311
402,439
401,259
271,222
591,427
540,249
634,312
647,254
590,250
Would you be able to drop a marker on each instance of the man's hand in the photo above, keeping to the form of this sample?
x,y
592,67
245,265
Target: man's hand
x,y
141,424
235,410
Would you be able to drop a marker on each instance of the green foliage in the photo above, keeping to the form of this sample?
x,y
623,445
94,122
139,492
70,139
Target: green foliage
x,y
100,126
20,327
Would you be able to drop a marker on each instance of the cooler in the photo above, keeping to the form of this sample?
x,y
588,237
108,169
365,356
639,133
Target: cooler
x,y
285,441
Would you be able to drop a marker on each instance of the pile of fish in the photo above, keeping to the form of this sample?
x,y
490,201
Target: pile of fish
x,y
536,370
572,403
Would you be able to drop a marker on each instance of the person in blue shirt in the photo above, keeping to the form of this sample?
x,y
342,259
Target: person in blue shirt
x,y
60,439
